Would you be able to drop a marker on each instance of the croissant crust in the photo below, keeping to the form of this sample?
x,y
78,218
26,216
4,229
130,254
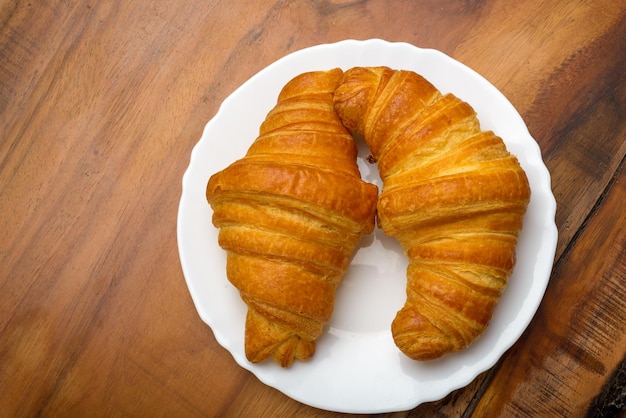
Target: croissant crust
x,y
452,195
291,213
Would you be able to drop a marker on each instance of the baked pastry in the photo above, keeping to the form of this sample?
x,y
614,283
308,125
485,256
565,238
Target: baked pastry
x,y
291,213
452,195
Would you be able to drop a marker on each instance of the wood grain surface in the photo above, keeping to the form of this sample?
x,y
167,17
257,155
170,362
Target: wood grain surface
x,y
100,106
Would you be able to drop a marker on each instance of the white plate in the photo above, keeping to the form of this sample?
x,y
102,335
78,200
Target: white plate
x,y
356,367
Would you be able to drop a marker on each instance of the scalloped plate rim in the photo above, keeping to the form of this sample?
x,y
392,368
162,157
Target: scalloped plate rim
x,y
193,215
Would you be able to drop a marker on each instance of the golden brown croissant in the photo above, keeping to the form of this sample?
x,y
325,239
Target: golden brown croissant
x,y
452,195
291,213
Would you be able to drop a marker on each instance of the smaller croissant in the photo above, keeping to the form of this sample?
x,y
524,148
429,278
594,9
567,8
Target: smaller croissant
x,y
452,195
291,213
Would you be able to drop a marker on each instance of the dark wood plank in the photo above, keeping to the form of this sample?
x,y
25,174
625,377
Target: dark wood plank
x,y
580,116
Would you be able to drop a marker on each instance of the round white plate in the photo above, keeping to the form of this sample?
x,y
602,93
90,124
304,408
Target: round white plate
x,y
357,367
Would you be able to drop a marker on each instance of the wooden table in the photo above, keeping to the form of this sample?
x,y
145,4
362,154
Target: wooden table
x,y
100,106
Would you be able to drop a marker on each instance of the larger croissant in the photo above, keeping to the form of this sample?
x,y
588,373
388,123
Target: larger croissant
x,y
452,195
291,213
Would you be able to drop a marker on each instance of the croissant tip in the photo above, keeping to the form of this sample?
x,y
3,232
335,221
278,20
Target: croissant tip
x,y
418,338
265,339
284,353
423,349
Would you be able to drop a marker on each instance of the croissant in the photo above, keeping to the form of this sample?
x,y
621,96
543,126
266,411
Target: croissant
x,y
452,195
291,213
